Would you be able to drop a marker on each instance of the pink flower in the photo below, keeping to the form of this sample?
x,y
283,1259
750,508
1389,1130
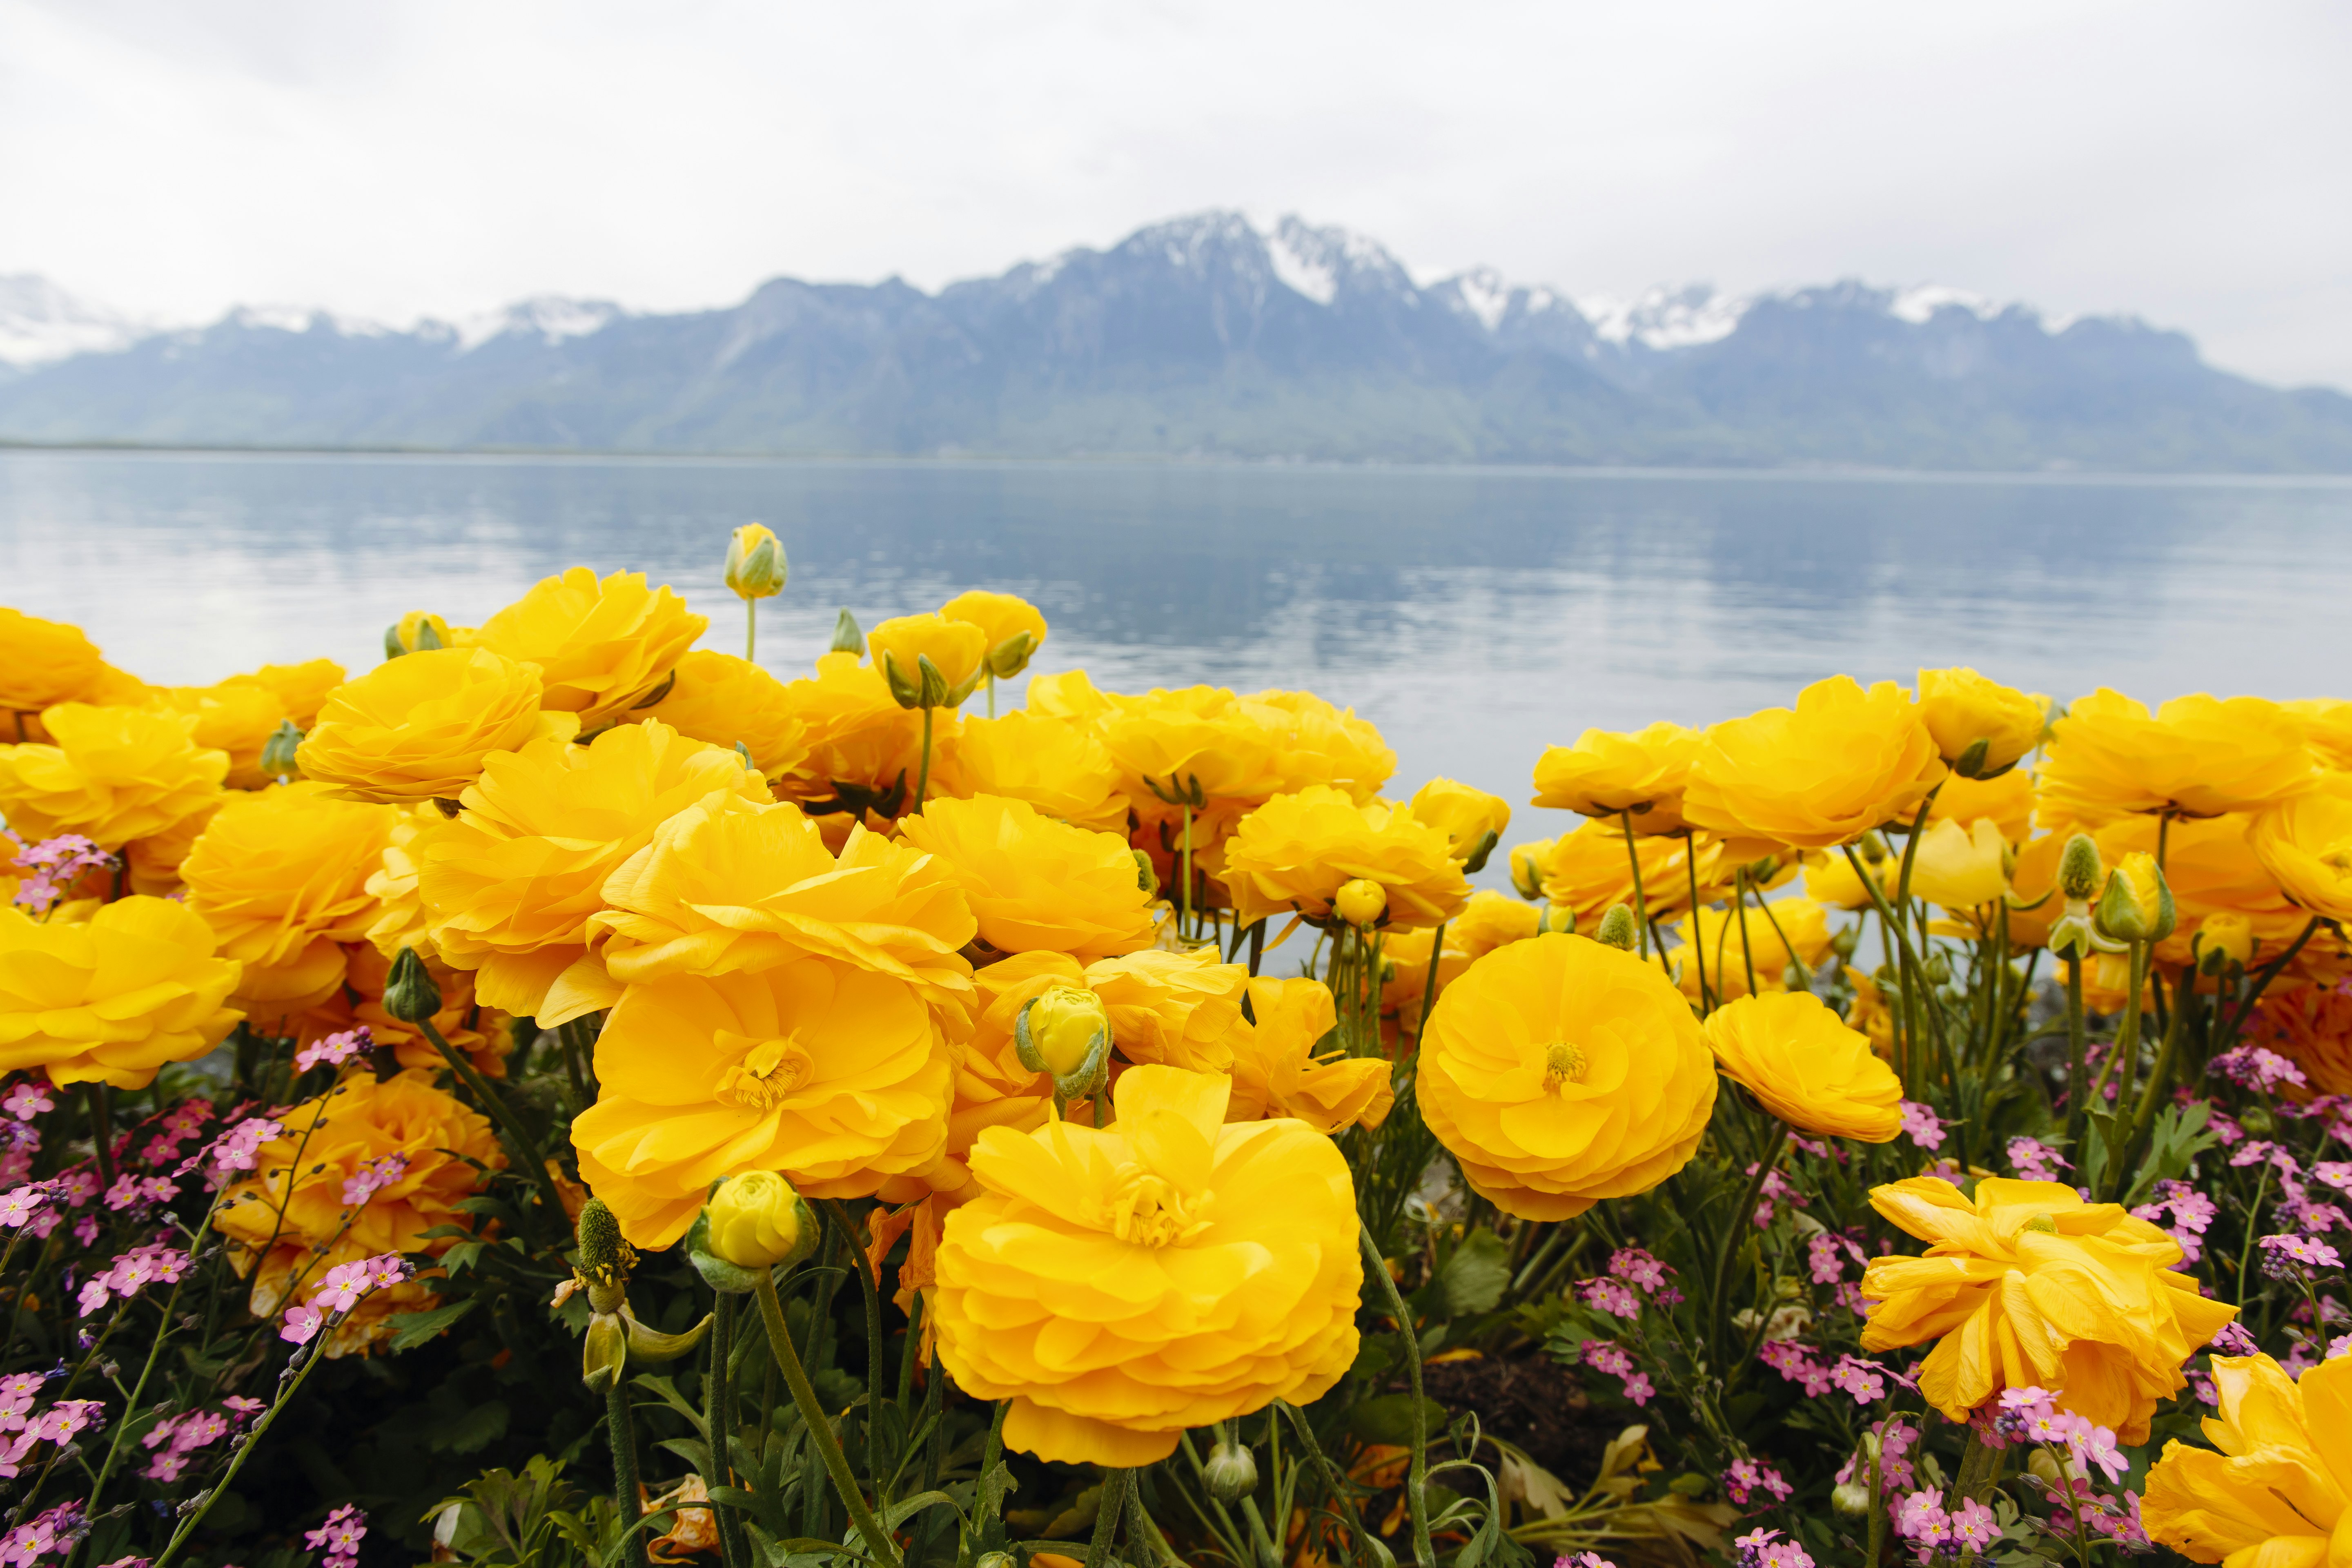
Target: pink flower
x,y
386,1270
20,1205
2253,1067
124,1192
373,1177
1638,1388
1921,1126
2336,1173
93,1296
1582,1559
2096,1446
12,1458
1745,1478
238,1405
1920,1518
60,1421
1638,1269
301,1324
1974,1529
2034,1160
28,1542
1610,1296
1822,1256
26,1101
166,1466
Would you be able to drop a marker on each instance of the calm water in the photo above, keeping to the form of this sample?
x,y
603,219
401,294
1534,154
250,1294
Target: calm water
x,y
1475,615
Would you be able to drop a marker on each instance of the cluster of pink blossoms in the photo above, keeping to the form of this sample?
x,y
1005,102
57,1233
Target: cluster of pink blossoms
x,y
1897,1439
1798,1362
58,1531
1747,1479
2256,1067
2191,1213
372,1177
341,1536
344,1286
61,1423
130,1273
1922,1126
1609,1356
1765,1549
1966,1531
52,866
2035,1160
335,1049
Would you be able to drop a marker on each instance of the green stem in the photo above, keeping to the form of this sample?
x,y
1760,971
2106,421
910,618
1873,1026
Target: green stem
x,y
1698,946
2159,1079
622,1428
1641,904
865,1271
1342,1499
1737,1224
1424,1555
719,1419
1184,874
2077,1049
1115,1483
821,1433
311,1354
2253,1225
750,631
1739,910
1429,984
923,779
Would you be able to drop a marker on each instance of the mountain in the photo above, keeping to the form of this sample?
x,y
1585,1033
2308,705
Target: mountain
x,y
41,323
1202,336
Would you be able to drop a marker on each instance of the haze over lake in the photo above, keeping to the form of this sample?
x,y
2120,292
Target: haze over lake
x,y
1474,615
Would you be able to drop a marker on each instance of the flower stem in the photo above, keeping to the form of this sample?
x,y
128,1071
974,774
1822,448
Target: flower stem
x,y
1698,945
923,778
1429,985
1737,1224
1116,1481
1641,904
821,1433
2076,1051
1424,1554
719,1420
287,1388
750,630
622,1428
867,1270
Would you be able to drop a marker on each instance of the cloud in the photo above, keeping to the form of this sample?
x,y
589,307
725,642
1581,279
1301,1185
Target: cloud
x,y
432,157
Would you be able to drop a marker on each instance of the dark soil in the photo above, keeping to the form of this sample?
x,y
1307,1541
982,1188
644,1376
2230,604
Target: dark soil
x,y
1532,1403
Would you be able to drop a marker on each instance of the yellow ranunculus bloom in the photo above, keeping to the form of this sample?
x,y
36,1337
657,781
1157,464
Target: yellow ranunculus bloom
x,y
731,884
2229,934
954,647
1122,1286
1276,1071
1561,1072
43,663
755,1220
1842,761
1869,1013
856,732
2278,1494
292,1205
301,690
1206,733
112,998
2029,1286
400,914
1463,815
2307,844
1003,617
1176,1009
1605,774
1060,767
1316,743
726,700
2198,756
1961,708
1068,695
234,717
602,647
1035,883
2214,865
2311,1025
1830,881
113,774
1404,961
837,1076
1959,867
508,885
1588,870
1489,921
482,1035
1723,935
417,727
1808,1068
281,877
2007,802
2328,721
1297,851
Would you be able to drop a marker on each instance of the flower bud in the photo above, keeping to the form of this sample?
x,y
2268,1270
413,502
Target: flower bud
x,y
1873,849
2223,939
1527,868
1232,1472
605,1256
1852,1499
2079,871
756,568
1147,876
846,636
2137,904
277,751
1361,902
414,633
756,1220
1011,656
605,1353
410,994
1559,917
1066,1032
2258,1121
1618,929
1471,819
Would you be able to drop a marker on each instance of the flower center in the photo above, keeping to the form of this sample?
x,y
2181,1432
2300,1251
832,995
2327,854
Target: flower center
x,y
771,1073
1150,1212
1563,1063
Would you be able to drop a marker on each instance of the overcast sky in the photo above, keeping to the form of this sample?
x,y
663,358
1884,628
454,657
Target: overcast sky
x,y
392,158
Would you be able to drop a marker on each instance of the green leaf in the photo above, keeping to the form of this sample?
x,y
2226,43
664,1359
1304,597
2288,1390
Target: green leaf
x,y
1475,1278
413,1329
1387,1418
907,1508
2179,1136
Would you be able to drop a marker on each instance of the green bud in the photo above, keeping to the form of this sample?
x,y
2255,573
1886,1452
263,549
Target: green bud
x,y
906,690
277,751
846,636
2257,1120
1970,762
1232,1472
1618,929
755,563
1873,849
1065,1032
605,1256
1480,851
1146,878
2079,871
933,685
1011,656
604,1351
1559,918
409,991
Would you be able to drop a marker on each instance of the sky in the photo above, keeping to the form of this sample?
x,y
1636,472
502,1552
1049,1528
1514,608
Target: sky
x,y
397,158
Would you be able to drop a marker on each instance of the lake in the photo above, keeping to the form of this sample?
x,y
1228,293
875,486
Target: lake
x,y
1474,615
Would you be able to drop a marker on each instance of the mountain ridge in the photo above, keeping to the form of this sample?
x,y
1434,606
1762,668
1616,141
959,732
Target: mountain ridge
x,y
1205,336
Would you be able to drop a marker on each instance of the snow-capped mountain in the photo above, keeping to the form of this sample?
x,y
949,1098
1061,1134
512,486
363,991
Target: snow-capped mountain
x,y
1202,336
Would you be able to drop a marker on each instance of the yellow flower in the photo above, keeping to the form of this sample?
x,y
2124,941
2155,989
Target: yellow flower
x,y
1588,870
1842,761
1723,936
1276,1071
837,1077
1315,743
1561,1072
726,700
1962,709
1605,774
2307,844
755,1220
1201,733
1014,627
1810,1069
2329,721
2007,802
233,717
417,727
2198,756
1959,867
2228,933
2278,1494
602,648
2216,865
1869,1013
400,914
1066,1026
2027,1286
1035,883
1361,902
508,885
1468,817
301,690
1068,695
1490,920
1297,851
857,734
43,663
730,884
1830,881
1122,1286
112,998
1176,1009
1060,767
1404,963
955,650
484,1035
1527,862
281,877
288,1224
756,568
2311,1024
113,774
